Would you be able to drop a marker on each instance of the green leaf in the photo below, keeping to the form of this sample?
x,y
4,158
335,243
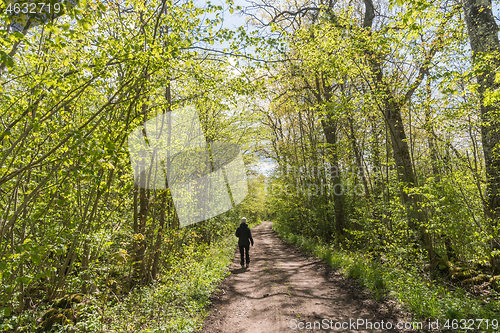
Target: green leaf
x,y
36,258
23,279
6,59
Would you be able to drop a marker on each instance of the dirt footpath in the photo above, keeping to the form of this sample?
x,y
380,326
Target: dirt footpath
x,y
284,290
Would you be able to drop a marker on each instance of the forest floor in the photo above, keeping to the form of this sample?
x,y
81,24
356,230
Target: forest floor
x,y
284,288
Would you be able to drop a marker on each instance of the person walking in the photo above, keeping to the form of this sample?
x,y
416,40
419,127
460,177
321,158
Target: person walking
x,y
245,237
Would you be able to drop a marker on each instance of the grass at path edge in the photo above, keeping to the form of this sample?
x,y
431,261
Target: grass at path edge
x,y
423,299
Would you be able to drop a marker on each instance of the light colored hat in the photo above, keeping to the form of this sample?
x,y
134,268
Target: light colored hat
x,y
243,220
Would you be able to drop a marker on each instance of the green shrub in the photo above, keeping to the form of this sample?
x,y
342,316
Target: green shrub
x,y
354,271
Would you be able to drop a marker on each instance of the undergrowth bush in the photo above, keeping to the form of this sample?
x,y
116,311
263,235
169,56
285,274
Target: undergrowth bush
x,y
177,303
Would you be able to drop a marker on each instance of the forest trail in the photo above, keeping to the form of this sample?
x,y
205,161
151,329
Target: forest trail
x,y
283,284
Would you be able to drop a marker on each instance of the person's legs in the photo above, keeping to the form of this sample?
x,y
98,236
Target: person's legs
x,y
247,248
242,255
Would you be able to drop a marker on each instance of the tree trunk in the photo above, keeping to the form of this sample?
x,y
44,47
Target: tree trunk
x,y
140,240
433,155
329,126
378,184
359,158
85,267
159,236
330,130
483,37
392,110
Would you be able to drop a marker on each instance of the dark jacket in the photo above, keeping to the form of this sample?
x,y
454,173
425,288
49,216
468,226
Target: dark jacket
x,y
244,234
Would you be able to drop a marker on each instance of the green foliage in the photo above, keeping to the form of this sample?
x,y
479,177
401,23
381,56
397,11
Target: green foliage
x,y
253,207
71,91
175,303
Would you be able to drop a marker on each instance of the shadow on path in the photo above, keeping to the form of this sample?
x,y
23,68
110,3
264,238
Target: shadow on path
x,y
284,288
